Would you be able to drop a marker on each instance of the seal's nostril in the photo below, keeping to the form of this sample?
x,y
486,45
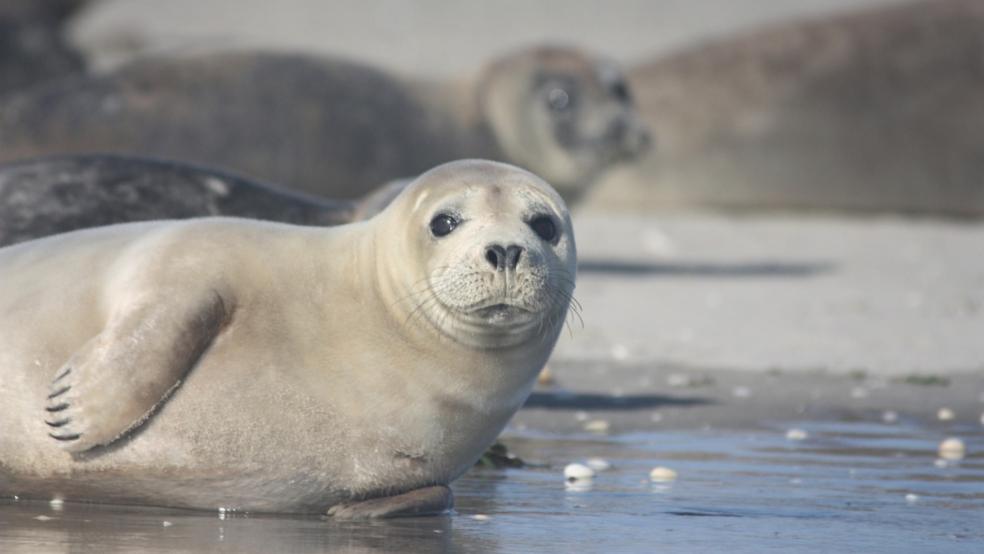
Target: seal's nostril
x,y
501,258
494,256
513,254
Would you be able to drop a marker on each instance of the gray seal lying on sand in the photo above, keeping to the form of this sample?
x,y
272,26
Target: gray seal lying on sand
x,y
336,128
48,196
260,366
873,111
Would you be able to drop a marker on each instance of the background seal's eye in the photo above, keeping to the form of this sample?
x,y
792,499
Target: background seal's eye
x,y
558,99
544,228
443,224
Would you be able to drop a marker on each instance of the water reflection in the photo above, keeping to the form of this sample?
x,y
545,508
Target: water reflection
x,y
33,527
848,486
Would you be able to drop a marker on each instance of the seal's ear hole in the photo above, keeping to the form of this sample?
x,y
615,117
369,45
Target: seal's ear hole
x,y
544,227
443,224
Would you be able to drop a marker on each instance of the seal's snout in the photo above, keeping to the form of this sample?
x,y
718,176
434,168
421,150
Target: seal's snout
x,y
633,135
503,258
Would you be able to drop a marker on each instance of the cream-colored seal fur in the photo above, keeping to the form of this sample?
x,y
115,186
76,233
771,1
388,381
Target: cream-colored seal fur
x,y
267,367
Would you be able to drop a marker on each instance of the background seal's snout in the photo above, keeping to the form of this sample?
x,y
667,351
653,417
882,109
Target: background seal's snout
x,y
502,258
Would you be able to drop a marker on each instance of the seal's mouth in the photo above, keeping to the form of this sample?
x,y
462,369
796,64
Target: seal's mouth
x,y
501,313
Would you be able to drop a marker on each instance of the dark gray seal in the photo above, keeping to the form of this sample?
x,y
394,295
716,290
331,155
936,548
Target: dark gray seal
x,y
880,110
336,128
33,48
44,197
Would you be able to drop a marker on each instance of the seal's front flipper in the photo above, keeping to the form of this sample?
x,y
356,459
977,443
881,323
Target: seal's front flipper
x,y
116,381
428,501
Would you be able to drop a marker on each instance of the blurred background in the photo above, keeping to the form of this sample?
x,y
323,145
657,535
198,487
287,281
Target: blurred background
x,y
429,37
838,105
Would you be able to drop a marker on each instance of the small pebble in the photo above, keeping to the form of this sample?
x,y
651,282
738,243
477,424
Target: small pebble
x,y
598,464
166,524
662,474
546,377
890,416
741,392
43,518
581,416
912,498
576,472
620,352
945,414
480,517
796,435
597,426
952,449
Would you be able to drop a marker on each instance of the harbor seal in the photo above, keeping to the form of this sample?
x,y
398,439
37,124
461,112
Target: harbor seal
x,y
871,111
336,128
48,196
267,367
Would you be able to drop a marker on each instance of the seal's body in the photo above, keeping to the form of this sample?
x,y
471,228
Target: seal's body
x,y
45,197
336,128
879,110
267,367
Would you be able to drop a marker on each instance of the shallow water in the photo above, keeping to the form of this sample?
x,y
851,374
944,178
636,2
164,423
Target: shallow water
x,y
846,487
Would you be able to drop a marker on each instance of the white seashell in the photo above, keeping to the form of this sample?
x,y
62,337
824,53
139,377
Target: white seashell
x,y
796,435
575,472
952,449
662,474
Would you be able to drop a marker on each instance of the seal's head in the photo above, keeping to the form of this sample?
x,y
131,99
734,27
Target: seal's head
x,y
491,254
563,114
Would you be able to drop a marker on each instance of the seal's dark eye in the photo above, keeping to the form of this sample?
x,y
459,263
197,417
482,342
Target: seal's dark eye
x,y
443,224
558,99
544,228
